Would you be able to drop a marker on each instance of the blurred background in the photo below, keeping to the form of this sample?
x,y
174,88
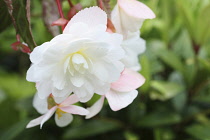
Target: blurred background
x,y
173,104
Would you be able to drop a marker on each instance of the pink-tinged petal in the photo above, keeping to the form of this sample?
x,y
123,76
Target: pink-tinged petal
x,y
73,109
35,122
72,99
48,115
136,9
95,108
63,119
119,100
129,80
92,16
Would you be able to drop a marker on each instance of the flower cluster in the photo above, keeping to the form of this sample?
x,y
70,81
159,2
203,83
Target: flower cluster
x,y
89,58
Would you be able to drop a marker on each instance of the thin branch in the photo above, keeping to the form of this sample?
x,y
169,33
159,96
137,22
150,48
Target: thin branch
x,y
70,3
60,8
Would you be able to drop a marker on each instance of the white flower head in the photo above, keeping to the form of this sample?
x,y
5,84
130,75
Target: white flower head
x,y
85,59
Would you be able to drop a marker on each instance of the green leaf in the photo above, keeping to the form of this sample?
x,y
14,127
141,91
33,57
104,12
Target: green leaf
x,y
91,128
179,101
163,134
16,86
145,71
4,16
187,16
20,15
205,63
203,22
131,136
159,118
199,131
171,59
165,90
14,131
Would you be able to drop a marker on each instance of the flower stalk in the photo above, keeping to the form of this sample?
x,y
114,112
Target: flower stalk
x,y
58,2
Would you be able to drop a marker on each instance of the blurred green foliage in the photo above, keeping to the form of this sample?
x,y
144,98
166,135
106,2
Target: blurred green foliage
x,y
173,104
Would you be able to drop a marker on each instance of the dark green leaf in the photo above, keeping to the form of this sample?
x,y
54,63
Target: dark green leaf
x,y
4,16
13,131
91,128
159,118
171,59
165,90
203,22
21,14
199,131
145,71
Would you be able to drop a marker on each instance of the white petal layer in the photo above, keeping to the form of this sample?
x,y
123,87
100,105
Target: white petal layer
x,y
95,108
133,46
63,120
40,104
92,16
119,100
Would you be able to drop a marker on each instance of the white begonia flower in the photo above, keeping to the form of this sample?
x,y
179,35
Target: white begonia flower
x,y
85,59
127,18
63,111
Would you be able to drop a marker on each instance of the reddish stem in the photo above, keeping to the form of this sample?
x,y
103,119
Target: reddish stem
x,y
18,37
60,8
100,4
70,3
196,47
60,11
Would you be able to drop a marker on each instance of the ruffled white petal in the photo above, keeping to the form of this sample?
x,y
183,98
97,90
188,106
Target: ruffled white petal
x,y
44,89
40,104
37,53
133,46
92,16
